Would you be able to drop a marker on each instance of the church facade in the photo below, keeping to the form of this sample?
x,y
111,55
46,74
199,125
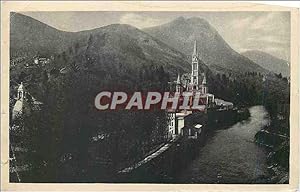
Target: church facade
x,y
193,83
196,81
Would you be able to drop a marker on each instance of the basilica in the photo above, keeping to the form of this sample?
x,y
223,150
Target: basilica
x,y
195,82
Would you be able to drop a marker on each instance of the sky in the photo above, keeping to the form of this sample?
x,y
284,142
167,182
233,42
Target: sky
x,y
243,31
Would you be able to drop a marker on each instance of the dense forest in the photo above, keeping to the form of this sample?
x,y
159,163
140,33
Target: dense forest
x,y
71,140
74,142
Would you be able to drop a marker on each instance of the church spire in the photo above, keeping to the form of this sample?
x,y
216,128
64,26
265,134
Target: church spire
x,y
178,79
204,79
195,68
203,85
195,53
178,84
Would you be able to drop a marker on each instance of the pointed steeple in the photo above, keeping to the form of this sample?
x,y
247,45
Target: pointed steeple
x,y
195,68
178,84
20,88
178,79
195,53
204,79
203,85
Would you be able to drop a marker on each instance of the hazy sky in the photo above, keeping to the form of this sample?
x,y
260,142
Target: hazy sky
x,y
265,31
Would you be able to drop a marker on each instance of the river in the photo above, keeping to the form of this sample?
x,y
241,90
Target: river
x,y
230,155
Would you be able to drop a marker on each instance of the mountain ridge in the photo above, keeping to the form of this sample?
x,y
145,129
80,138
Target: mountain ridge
x,y
121,43
33,36
213,49
268,61
24,34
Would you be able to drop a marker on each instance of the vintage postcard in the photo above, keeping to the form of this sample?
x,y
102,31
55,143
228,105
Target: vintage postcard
x,y
149,96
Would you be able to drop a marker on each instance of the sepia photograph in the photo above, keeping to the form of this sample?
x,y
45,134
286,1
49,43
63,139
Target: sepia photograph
x,y
149,97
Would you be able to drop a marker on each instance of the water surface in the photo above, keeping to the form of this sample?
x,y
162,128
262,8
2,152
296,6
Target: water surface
x,y
230,155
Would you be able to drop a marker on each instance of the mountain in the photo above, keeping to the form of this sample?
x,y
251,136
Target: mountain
x,y
125,45
29,36
213,50
269,62
110,46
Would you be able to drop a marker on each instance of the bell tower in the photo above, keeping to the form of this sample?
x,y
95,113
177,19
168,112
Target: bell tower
x,y
195,68
21,93
178,84
20,106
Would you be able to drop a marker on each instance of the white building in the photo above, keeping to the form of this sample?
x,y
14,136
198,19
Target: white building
x,y
21,107
41,60
171,123
223,104
176,122
180,121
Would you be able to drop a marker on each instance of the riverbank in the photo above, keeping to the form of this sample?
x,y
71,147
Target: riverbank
x,y
275,138
231,156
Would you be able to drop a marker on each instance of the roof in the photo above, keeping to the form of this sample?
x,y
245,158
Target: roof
x,y
35,101
171,110
222,102
21,106
182,114
18,107
21,87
